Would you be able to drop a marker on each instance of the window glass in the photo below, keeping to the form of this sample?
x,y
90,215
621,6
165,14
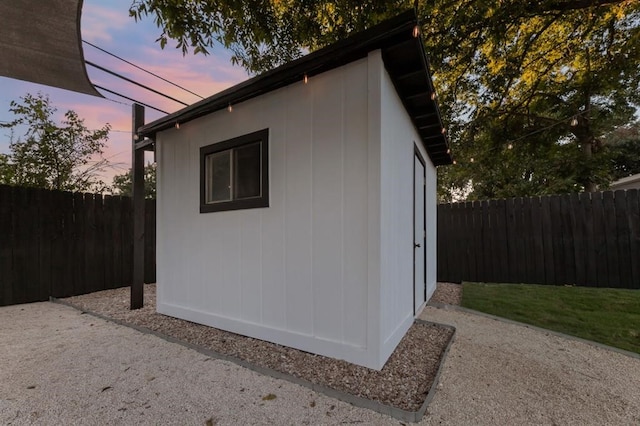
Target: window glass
x,y
218,176
234,173
247,171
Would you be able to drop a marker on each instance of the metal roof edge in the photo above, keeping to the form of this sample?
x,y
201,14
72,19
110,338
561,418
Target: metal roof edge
x,y
387,34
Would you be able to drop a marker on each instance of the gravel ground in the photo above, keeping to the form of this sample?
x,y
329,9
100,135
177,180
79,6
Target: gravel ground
x,y
404,382
502,373
59,366
447,294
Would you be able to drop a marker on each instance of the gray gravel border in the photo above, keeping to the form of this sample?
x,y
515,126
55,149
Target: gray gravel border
x,y
397,413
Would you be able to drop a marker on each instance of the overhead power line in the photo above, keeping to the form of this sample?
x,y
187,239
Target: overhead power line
x,y
130,99
134,82
142,69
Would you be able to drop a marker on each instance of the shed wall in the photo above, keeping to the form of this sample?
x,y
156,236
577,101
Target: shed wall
x,y
297,272
399,137
328,267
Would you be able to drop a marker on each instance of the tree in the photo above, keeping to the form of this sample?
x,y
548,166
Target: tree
x,y
49,155
624,150
527,89
123,184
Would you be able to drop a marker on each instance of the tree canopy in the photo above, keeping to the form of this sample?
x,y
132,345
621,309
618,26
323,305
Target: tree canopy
x,y
530,91
50,155
123,183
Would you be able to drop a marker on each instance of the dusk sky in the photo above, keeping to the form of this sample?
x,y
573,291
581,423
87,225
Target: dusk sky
x,y
106,23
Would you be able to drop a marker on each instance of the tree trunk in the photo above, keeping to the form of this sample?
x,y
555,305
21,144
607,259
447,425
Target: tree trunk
x,y
589,184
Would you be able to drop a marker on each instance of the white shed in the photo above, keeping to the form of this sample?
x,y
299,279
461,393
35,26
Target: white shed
x,y
299,207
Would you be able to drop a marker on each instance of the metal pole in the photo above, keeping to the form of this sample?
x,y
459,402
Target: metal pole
x,y
137,172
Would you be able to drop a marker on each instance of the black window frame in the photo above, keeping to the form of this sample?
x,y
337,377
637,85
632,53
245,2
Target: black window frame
x,y
261,136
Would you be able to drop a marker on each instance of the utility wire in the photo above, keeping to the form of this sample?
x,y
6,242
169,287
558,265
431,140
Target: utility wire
x,y
130,99
135,82
142,69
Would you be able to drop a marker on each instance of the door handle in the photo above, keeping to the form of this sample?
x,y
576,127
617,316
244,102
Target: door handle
x,y
416,245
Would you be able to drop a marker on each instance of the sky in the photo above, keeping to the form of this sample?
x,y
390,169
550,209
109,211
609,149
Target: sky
x,y
106,23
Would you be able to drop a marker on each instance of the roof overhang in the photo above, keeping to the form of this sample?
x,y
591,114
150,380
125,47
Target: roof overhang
x,y
404,58
41,43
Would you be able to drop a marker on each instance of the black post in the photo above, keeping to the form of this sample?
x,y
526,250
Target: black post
x,y
137,171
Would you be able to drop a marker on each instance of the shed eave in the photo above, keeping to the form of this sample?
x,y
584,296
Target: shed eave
x,y
405,60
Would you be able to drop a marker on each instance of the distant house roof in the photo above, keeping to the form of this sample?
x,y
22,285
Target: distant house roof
x,y
41,43
629,182
404,58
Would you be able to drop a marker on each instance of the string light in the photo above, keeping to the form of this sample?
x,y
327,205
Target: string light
x,y
433,96
574,121
510,146
443,131
448,151
416,31
229,108
455,162
471,159
177,125
305,79
136,137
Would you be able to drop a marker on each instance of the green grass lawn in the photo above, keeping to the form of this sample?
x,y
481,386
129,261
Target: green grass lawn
x,y
604,315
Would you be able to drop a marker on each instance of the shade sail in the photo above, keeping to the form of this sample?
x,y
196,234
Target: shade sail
x,y
40,42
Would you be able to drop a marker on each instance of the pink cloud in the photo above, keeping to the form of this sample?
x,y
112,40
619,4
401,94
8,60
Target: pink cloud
x,y
99,23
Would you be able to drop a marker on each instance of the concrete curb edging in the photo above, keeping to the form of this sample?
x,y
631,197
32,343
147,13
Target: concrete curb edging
x,y
397,413
445,306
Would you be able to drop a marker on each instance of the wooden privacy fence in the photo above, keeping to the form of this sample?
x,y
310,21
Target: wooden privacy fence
x,y
586,239
59,244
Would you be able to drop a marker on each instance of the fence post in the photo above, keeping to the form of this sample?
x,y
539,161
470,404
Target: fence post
x,y
137,171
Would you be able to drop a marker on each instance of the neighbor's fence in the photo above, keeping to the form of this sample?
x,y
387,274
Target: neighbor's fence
x,y
586,239
59,244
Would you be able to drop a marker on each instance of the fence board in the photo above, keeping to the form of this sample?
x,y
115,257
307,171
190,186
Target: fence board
x,y
45,231
440,244
127,240
6,245
118,252
487,240
511,234
622,236
547,241
600,240
519,243
587,229
106,232
567,220
577,236
55,243
89,238
611,250
501,248
478,243
634,236
537,243
589,239
100,242
150,241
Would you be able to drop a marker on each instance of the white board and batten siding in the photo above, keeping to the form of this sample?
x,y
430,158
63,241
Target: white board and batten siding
x,y
399,138
322,268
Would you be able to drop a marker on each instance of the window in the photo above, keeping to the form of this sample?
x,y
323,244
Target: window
x,y
234,173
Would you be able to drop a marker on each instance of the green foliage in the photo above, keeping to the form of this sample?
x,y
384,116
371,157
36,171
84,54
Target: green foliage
x,y
542,88
261,33
511,76
605,315
123,184
50,155
624,150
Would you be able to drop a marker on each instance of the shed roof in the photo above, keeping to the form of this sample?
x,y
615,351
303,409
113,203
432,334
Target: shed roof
x,y
404,58
628,182
41,43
